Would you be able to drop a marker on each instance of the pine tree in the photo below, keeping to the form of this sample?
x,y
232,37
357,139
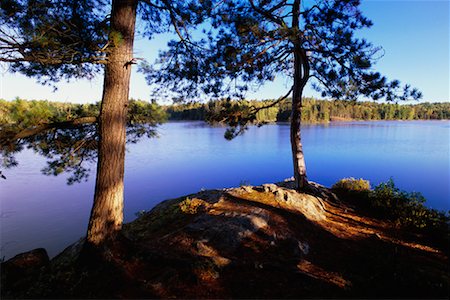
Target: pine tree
x,y
65,39
252,41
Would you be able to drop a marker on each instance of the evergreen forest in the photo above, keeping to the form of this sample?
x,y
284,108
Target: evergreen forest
x,y
29,113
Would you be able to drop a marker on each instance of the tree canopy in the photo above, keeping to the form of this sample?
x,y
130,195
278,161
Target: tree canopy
x,y
54,40
251,42
65,39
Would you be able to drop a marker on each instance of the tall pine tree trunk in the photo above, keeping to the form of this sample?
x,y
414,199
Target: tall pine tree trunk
x,y
298,157
107,212
301,75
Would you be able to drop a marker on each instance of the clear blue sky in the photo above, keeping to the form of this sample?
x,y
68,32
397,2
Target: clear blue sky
x,y
414,34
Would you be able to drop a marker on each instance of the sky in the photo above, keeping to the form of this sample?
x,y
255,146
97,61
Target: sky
x,y
414,35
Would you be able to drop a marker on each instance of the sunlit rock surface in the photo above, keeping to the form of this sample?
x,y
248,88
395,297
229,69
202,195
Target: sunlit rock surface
x,y
250,242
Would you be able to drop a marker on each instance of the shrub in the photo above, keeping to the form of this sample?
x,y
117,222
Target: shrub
x,y
191,206
352,185
405,209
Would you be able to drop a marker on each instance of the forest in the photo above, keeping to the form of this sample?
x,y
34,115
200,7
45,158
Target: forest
x,y
25,113
319,111
19,113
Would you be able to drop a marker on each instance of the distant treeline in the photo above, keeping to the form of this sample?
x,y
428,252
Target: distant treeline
x,y
319,110
25,113
29,113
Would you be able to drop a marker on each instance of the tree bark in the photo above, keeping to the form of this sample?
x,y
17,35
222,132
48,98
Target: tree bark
x,y
298,158
107,212
301,75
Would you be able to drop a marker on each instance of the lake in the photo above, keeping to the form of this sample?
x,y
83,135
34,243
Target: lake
x,y
42,211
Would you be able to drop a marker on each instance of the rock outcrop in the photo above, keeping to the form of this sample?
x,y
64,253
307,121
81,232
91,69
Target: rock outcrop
x,y
251,242
20,272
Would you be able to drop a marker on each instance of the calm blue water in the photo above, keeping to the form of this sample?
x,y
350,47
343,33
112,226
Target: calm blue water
x,y
42,211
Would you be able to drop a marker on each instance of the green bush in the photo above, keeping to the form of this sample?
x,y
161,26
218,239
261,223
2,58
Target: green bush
x,y
406,209
386,201
352,185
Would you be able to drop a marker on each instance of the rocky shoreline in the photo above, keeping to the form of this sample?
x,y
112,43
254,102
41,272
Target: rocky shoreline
x,y
249,242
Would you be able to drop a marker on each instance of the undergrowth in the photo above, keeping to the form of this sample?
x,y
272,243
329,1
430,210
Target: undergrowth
x,y
406,210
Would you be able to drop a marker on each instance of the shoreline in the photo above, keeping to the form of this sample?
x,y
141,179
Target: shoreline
x,y
312,123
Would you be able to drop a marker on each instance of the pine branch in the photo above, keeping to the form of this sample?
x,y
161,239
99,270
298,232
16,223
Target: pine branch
x,y
7,137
